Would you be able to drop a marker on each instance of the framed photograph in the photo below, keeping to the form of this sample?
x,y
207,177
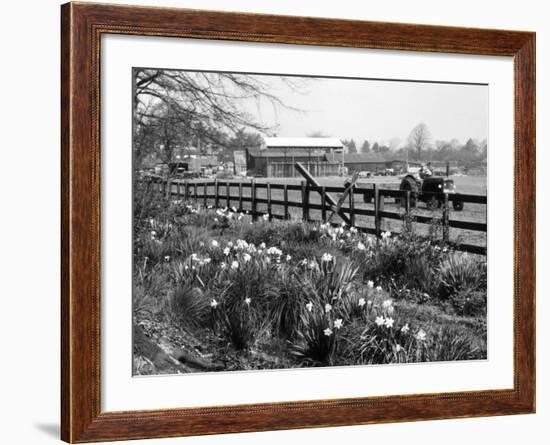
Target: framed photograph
x,y
274,222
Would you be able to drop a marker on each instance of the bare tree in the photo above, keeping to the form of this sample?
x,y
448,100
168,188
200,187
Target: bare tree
x,y
419,139
195,106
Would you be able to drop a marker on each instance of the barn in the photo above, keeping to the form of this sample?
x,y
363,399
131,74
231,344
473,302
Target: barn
x,y
277,155
370,162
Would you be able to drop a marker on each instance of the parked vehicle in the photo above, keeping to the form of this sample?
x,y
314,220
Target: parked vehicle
x,y
430,189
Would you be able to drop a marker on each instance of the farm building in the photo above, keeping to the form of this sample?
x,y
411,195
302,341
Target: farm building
x,y
356,162
194,163
277,156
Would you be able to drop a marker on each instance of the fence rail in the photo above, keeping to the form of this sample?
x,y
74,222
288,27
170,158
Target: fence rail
x,y
209,193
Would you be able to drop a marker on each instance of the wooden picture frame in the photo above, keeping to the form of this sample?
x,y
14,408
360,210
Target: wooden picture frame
x,y
82,26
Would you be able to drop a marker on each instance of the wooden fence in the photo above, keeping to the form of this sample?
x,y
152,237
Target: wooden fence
x,y
209,193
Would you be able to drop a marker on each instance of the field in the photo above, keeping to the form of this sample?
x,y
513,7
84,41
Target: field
x,y
215,290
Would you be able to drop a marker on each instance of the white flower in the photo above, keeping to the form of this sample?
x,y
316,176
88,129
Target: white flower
x,y
194,257
303,262
265,217
288,257
215,243
167,258
361,302
328,332
274,251
387,303
379,321
234,265
398,348
405,328
379,288
234,209
338,323
246,257
213,303
262,246
420,335
360,246
388,322
370,284
247,300
327,257
386,235
153,233
226,251
230,244
353,230
309,306
328,308
223,266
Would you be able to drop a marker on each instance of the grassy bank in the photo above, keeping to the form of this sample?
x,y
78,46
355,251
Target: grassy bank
x,y
216,291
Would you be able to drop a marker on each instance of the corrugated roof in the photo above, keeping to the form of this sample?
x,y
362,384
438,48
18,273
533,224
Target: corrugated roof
x,y
297,153
303,142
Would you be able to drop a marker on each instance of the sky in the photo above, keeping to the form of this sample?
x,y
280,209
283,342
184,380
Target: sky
x,y
376,110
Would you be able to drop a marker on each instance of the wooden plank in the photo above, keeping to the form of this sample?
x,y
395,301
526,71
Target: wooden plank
x,y
323,205
311,180
268,192
253,200
227,195
305,201
376,210
285,199
240,196
345,194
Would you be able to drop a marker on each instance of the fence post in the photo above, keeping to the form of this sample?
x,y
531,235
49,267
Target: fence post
x,y
268,191
446,218
323,204
253,199
205,193
216,194
352,206
376,210
227,195
305,201
408,221
178,189
186,190
240,196
285,199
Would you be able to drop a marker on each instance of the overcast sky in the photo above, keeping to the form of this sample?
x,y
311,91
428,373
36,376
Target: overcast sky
x,y
376,110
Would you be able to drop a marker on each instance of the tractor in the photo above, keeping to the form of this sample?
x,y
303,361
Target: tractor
x,y
430,189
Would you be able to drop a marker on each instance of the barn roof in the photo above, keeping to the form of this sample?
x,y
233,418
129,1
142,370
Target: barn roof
x,y
303,142
297,152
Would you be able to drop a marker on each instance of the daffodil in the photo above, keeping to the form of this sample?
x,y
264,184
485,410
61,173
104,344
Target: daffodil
x,y
338,323
328,308
234,265
213,303
405,328
361,302
380,321
388,322
309,306
328,332
420,335
247,300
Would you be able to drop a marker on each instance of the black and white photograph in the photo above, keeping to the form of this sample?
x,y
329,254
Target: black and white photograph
x,y
284,221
